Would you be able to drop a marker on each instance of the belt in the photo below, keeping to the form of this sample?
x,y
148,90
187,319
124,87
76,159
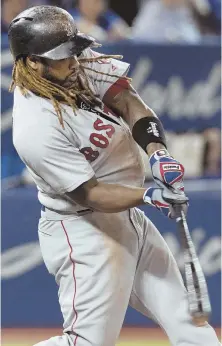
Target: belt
x,y
79,212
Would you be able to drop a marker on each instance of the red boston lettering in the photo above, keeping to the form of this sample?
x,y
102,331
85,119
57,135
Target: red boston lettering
x,y
89,153
99,126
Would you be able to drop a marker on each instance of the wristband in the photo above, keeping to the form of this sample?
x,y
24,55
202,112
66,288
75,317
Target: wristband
x,y
148,130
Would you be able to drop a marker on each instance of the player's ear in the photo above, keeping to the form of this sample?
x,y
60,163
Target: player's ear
x,y
33,62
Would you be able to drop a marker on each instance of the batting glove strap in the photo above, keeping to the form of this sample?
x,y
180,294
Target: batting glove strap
x,y
166,169
157,155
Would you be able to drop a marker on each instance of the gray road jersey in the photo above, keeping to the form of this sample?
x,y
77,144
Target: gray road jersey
x,y
93,142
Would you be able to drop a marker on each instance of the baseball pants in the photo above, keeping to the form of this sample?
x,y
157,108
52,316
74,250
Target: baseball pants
x,y
103,262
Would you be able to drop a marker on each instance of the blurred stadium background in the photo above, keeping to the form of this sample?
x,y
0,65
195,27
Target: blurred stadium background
x,y
173,47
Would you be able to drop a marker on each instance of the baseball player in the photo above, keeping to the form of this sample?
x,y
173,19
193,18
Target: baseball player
x,y
77,125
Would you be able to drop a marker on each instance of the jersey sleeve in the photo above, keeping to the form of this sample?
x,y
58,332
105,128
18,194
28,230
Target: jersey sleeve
x,y
54,159
105,73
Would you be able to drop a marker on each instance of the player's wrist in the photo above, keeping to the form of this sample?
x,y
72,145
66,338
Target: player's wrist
x,y
153,147
158,155
154,197
147,196
149,130
151,195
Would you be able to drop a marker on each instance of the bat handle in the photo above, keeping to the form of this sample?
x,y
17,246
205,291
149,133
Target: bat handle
x,y
178,209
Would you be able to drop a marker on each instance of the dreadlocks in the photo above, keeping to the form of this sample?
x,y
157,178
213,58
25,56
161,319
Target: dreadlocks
x,y
27,79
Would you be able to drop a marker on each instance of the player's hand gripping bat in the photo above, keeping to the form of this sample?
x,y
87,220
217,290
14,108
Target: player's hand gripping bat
x,y
199,302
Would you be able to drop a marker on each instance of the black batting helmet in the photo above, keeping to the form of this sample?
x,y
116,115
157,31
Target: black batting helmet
x,y
46,31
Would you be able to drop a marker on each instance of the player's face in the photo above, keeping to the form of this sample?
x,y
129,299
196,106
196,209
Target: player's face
x,y
62,72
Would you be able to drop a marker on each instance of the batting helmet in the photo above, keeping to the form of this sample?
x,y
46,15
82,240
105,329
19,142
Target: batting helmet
x,y
46,31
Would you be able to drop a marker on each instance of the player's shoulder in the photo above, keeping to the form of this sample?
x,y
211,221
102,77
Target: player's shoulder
x,y
35,124
100,62
94,57
31,106
32,115
29,100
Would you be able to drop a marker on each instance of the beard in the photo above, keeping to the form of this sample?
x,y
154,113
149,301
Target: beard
x,y
76,84
68,83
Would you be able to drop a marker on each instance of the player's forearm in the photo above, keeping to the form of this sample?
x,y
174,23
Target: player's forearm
x,y
136,110
129,105
139,110
110,198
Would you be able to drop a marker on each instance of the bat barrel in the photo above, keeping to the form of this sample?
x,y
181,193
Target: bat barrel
x,y
198,298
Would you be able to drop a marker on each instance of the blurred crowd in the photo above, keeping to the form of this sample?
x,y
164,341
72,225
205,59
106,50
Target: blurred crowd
x,y
153,20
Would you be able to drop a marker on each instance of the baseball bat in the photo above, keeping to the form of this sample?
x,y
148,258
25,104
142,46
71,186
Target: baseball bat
x,y
198,297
